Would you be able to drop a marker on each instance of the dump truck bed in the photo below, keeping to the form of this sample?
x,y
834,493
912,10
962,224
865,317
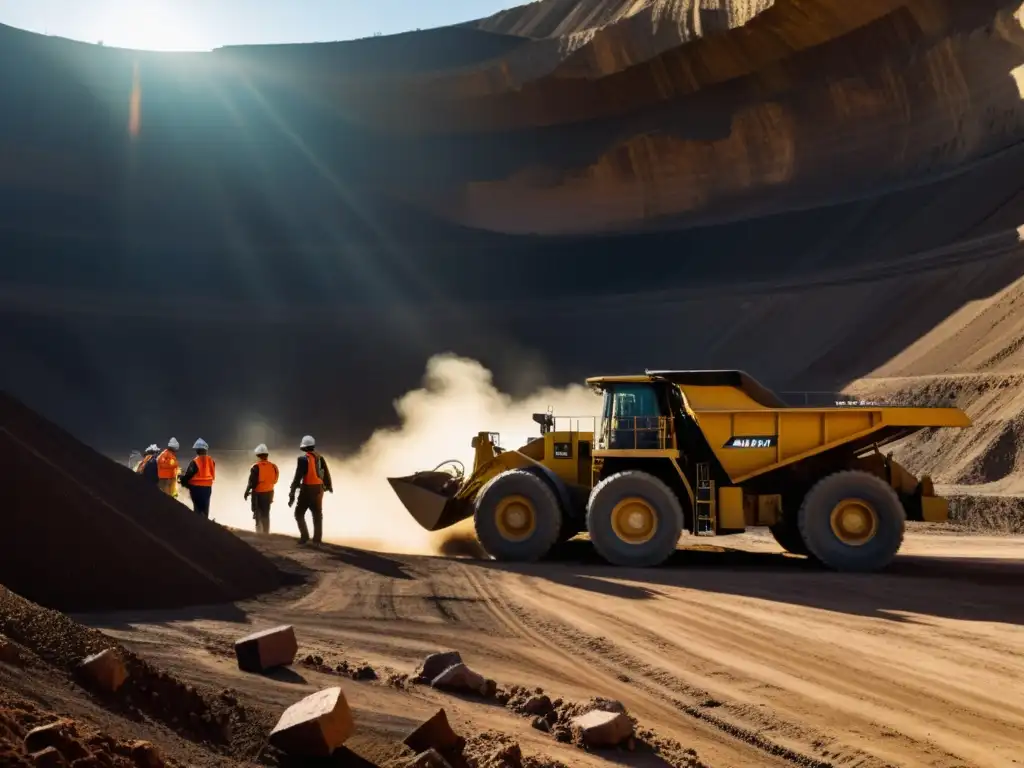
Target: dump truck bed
x,y
751,431
748,443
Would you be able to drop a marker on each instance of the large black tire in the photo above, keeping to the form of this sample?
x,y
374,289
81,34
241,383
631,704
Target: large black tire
x,y
822,541
546,510
661,499
787,535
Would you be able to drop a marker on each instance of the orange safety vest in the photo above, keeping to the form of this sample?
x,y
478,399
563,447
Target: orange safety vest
x,y
267,478
166,465
142,464
312,469
207,471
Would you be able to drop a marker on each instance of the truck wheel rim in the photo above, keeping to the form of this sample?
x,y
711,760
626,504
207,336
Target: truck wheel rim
x,y
634,520
854,522
516,518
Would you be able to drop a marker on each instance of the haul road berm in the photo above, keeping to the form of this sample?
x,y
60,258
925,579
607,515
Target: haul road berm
x,y
710,452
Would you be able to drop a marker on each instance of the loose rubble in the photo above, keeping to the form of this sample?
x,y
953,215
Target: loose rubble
x,y
314,726
598,729
356,670
52,641
597,724
262,651
62,741
491,749
435,664
105,670
461,678
435,739
446,671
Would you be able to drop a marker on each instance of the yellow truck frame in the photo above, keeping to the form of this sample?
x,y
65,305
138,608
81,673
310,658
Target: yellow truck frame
x,y
705,452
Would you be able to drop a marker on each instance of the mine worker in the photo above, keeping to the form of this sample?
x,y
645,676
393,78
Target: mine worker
x,y
148,466
146,458
311,479
167,469
263,477
199,476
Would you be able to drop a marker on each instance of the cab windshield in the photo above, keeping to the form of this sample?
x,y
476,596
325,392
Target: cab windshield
x,y
630,417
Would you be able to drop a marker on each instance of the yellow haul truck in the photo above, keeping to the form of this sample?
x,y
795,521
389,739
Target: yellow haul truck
x,y
708,452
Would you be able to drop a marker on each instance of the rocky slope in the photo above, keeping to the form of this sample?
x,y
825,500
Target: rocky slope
x,y
801,189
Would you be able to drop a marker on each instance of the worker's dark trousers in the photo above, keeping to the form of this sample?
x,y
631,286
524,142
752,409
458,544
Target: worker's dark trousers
x,y
201,499
311,497
261,510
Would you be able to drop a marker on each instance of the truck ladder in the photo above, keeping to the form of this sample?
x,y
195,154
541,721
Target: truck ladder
x,y
704,512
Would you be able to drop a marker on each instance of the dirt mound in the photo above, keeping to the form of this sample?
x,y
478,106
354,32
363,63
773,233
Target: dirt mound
x,y
987,456
82,533
990,514
49,640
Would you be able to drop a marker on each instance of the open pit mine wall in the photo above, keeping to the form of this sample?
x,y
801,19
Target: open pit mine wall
x,y
286,234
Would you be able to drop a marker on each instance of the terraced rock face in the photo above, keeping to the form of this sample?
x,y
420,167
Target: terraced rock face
x,y
803,189
612,116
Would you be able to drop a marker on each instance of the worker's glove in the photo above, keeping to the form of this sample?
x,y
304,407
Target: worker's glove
x,y
291,500
246,495
329,490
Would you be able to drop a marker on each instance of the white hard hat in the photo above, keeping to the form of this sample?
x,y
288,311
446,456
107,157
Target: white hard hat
x,y
153,448
307,442
261,449
173,444
200,445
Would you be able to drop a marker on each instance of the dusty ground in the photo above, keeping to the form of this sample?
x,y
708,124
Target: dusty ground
x,y
745,655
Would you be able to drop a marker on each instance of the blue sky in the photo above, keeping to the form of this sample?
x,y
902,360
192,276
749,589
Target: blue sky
x,y
206,24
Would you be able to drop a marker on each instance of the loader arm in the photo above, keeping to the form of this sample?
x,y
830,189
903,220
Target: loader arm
x,y
437,502
503,462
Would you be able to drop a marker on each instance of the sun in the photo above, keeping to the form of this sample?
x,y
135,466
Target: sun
x,y
152,25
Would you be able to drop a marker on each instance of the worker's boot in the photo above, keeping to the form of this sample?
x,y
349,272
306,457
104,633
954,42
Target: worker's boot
x,y
318,527
303,530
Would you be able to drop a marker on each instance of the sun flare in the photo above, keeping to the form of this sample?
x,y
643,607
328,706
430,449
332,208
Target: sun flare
x,y
150,25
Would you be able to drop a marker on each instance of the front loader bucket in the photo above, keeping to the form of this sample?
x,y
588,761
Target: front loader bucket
x,y
430,499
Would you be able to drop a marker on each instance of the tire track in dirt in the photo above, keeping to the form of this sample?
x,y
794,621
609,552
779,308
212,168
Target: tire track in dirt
x,y
766,670
872,663
921,667
716,742
749,679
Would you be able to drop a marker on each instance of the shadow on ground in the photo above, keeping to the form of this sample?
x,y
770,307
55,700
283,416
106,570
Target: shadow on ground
x,y
367,561
125,620
285,675
959,588
969,589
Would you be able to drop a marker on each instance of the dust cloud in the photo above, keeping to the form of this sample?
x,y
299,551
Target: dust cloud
x,y
457,399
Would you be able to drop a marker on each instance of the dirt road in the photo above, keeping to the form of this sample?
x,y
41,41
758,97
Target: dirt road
x,y
747,656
